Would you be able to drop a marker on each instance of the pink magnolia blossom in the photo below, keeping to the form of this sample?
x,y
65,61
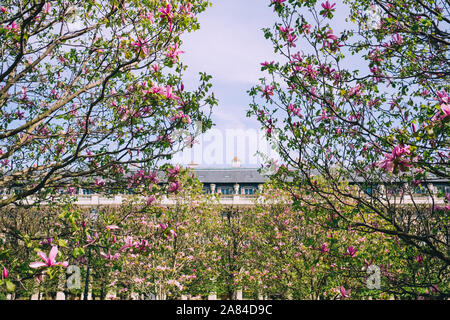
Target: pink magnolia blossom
x,y
396,158
291,38
307,28
293,108
397,39
174,171
286,30
324,247
99,182
112,227
345,293
141,44
156,67
327,8
174,52
5,273
48,261
109,256
128,243
187,9
443,97
351,251
173,233
150,200
331,36
265,63
13,27
170,95
445,108
267,92
166,12
40,278
174,186
47,7
3,10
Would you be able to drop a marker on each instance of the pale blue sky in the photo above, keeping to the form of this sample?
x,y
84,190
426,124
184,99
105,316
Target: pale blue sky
x,y
230,46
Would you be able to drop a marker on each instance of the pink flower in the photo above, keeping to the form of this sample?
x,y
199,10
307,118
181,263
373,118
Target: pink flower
x,y
327,9
368,263
396,158
47,7
324,247
397,39
109,256
50,261
267,92
166,12
286,30
351,251
445,108
174,52
443,97
5,273
345,293
331,36
141,44
14,26
99,182
40,278
169,94
150,200
265,63
3,10
307,28
174,171
174,186
112,227
291,38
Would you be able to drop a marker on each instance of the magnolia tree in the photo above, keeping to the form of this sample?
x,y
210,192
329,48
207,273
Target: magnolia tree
x,y
143,247
291,255
359,96
166,251
92,89
195,247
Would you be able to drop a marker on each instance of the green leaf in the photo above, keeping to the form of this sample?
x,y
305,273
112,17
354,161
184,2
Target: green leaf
x,y
10,286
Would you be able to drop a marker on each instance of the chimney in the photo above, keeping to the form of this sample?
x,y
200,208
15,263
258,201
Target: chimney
x,y
236,163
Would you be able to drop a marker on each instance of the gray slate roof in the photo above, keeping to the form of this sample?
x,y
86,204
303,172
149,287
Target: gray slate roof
x,y
229,175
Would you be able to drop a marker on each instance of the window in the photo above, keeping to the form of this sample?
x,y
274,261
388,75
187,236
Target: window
x,y
85,191
225,190
249,190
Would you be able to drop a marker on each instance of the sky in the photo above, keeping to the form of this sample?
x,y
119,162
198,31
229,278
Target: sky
x,y
229,46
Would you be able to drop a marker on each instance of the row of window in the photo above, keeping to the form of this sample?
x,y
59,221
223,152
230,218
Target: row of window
x,y
250,190
226,190
416,190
